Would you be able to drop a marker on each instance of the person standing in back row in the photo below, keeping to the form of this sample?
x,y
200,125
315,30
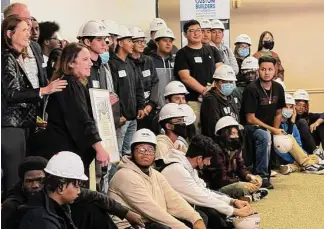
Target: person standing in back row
x,y
195,65
129,87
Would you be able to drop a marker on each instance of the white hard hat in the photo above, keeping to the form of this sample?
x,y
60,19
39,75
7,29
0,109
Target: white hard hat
x,y
144,136
278,80
124,32
250,63
157,24
171,110
225,122
243,38
225,72
282,143
205,24
301,94
249,222
66,164
191,116
289,99
112,26
164,32
217,24
175,88
93,29
137,33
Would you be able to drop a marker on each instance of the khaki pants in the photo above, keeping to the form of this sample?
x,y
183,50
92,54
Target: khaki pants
x,y
195,105
299,155
236,190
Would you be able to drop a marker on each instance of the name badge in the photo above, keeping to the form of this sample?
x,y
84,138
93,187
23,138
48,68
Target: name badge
x,y
172,64
44,65
198,59
95,84
122,73
236,100
146,73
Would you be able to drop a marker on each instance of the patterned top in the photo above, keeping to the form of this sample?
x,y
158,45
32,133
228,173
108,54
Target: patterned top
x,y
30,66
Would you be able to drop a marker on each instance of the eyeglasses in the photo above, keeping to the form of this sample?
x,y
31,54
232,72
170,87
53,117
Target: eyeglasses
x,y
140,42
148,151
194,31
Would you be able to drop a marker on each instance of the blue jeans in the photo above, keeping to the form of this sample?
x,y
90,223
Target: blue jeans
x,y
262,144
124,137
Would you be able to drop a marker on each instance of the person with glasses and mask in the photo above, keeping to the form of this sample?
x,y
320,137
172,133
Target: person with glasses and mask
x,y
141,188
266,44
181,171
249,73
242,49
149,77
219,101
195,65
289,147
48,39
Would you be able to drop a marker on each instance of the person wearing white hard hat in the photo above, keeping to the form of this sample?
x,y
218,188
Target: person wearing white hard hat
x,y
261,112
227,171
195,65
48,38
156,25
242,48
310,125
266,44
129,87
249,73
149,77
219,101
289,147
217,35
163,60
64,176
181,171
206,31
113,29
144,190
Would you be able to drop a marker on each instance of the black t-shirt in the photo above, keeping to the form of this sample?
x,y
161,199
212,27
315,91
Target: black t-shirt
x,y
200,63
257,100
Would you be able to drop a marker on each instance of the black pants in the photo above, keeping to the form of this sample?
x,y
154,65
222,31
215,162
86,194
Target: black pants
x,y
13,152
90,216
310,140
215,219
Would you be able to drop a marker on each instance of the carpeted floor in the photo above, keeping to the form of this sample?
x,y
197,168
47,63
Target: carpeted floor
x,y
297,202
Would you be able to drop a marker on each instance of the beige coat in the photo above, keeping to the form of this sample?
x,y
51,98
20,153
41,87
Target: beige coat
x,y
149,195
164,144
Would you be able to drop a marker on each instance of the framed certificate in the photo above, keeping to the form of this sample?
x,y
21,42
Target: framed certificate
x,y
102,114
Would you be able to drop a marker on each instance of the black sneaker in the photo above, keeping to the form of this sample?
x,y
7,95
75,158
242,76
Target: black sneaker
x,y
266,184
260,194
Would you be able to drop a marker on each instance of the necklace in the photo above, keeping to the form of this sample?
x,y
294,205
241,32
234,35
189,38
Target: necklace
x,y
269,97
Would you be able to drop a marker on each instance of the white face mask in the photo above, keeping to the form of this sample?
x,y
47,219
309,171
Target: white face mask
x,y
287,113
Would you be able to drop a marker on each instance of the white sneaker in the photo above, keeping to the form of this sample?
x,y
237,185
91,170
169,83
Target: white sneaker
x,y
260,194
273,173
319,152
285,169
314,169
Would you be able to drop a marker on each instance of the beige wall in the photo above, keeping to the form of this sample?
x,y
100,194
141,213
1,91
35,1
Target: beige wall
x,y
297,26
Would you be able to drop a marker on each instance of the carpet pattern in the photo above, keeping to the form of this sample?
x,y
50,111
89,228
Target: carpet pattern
x,y
296,202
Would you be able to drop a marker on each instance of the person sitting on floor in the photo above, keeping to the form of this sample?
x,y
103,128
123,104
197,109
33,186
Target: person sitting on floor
x,y
227,172
181,171
289,147
141,188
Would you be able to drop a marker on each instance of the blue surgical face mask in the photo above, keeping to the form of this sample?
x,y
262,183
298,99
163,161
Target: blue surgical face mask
x,y
287,113
244,52
227,88
104,57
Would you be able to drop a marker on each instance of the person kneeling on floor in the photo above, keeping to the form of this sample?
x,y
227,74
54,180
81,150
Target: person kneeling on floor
x,y
181,171
143,189
289,147
227,171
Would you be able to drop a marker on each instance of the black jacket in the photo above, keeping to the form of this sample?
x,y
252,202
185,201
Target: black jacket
x,y
42,74
128,86
149,78
151,46
214,107
19,99
41,212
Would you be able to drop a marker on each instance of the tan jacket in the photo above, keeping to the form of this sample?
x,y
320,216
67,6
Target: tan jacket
x,y
164,144
149,195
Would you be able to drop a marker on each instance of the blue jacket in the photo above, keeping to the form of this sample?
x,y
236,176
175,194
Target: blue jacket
x,y
295,133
